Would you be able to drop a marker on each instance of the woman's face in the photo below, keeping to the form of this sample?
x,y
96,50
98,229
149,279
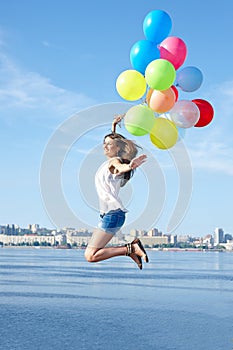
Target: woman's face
x,y
110,147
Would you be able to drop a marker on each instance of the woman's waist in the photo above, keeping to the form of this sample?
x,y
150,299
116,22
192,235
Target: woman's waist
x,y
113,211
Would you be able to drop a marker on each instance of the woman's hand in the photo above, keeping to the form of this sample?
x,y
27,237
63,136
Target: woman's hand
x,y
116,121
137,161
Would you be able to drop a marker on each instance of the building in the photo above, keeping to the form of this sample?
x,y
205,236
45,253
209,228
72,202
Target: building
x,y
173,239
154,232
134,233
35,228
218,236
154,240
184,238
227,237
79,238
228,245
28,239
208,241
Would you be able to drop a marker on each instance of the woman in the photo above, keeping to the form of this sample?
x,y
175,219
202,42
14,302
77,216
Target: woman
x,y
110,177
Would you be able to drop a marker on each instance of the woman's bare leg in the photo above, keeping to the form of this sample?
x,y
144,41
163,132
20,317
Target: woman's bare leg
x,y
96,250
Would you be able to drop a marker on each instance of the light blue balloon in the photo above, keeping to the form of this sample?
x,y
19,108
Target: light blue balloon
x,y
189,79
142,53
157,26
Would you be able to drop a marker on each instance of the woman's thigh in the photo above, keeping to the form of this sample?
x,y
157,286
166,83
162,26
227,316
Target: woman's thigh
x,y
99,239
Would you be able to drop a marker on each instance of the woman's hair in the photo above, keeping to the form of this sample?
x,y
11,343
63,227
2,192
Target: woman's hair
x,y
128,150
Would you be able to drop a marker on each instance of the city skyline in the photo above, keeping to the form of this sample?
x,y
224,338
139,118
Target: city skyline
x,y
67,238
62,60
38,228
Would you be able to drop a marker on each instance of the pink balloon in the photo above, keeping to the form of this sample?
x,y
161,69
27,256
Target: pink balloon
x,y
174,50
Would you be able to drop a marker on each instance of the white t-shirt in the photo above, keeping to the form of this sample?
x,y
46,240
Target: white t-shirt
x,y
108,186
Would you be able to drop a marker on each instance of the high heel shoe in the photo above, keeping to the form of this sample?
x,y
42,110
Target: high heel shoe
x,y
130,252
140,245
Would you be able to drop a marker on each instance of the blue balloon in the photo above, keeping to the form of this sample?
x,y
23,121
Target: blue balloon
x,y
157,26
189,79
142,53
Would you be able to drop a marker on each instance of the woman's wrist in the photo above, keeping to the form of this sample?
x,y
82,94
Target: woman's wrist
x,y
131,167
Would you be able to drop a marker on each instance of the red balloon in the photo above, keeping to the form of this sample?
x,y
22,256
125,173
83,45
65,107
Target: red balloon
x,y
175,92
206,112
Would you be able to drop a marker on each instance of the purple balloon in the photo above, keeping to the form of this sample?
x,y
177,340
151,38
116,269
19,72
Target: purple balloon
x,y
189,79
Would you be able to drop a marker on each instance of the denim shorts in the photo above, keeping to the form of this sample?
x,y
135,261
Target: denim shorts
x,y
112,221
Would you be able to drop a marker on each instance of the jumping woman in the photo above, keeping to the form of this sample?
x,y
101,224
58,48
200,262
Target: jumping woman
x,y
110,177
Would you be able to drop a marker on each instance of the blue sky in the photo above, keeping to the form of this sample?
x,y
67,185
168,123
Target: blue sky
x,y
58,58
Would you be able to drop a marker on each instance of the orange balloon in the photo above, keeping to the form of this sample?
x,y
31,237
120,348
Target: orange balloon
x,y
162,101
148,96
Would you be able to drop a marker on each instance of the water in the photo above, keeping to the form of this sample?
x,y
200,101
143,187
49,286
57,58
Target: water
x,y
54,299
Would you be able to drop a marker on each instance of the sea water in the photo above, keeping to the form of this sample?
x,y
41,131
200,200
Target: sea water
x,y
53,299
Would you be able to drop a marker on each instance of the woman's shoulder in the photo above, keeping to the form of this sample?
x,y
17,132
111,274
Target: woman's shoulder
x,y
106,165
115,160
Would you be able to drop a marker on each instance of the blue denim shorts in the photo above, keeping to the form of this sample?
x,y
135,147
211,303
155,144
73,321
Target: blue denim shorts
x,y
112,221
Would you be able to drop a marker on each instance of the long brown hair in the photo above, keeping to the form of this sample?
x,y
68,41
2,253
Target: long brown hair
x,y
128,151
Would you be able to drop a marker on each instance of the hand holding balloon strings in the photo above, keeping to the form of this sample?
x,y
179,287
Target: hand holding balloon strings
x,y
117,121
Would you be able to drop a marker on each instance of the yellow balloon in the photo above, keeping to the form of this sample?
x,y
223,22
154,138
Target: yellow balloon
x,y
164,133
131,85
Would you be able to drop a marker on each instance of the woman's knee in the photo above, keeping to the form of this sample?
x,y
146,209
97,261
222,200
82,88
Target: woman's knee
x,y
89,255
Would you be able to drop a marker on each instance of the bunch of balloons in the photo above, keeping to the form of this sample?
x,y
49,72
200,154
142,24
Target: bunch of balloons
x,y
155,73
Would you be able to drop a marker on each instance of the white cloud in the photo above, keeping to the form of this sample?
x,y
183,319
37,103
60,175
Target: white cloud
x,y
222,98
45,43
23,90
215,157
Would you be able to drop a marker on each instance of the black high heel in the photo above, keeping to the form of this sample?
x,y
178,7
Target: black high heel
x,y
130,252
139,243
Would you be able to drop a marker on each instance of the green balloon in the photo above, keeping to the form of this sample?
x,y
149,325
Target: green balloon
x,y
160,74
139,120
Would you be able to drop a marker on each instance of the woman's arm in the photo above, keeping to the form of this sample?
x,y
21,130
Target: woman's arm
x,y
116,167
116,121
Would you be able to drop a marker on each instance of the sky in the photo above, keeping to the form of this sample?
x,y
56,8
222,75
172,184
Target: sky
x,y
59,61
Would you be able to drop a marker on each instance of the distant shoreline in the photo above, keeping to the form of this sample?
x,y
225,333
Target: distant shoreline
x,y
195,250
